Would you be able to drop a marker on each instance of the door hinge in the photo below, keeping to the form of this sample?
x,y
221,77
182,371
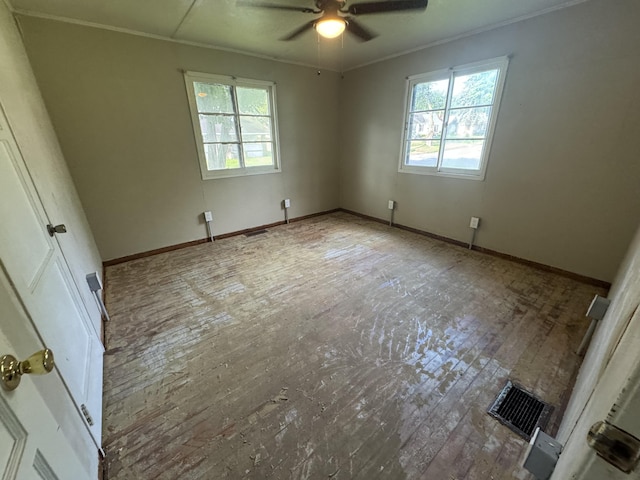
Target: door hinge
x,y
86,414
619,448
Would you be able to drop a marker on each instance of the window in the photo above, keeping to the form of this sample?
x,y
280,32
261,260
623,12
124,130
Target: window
x,y
235,125
450,117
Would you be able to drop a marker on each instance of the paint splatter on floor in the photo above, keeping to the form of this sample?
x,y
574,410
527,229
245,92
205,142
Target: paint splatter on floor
x,y
332,348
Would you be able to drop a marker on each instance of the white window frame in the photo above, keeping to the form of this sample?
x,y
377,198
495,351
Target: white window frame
x,y
500,63
190,78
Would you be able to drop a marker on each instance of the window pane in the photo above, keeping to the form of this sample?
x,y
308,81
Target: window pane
x,y
258,154
468,122
426,125
464,154
213,97
218,128
429,95
474,89
423,153
222,156
256,129
253,101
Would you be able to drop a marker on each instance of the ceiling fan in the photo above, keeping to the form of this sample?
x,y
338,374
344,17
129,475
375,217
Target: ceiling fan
x,y
336,16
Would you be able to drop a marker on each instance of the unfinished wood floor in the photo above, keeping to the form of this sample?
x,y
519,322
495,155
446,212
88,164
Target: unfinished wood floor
x,y
330,348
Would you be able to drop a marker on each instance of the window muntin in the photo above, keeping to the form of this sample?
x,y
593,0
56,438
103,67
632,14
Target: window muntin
x,y
235,125
450,116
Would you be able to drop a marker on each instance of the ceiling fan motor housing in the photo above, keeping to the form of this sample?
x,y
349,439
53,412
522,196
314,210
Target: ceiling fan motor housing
x,y
333,10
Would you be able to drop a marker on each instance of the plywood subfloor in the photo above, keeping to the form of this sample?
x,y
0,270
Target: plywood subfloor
x,y
332,348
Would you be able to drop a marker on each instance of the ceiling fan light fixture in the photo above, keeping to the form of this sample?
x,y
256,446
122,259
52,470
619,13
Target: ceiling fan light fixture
x,y
331,27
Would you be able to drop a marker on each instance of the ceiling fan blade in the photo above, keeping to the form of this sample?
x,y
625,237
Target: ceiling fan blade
x,y
388,6
249,3
299,31
359,31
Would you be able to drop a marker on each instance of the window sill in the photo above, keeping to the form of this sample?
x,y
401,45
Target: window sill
x,y
216,174
434,173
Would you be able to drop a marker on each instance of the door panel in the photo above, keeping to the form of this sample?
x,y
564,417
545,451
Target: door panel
x,y
62,332
32,443
38,269
42,468
20,216
13,437
37,448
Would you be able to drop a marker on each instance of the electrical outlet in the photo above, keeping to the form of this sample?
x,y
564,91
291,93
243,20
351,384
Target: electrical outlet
x,y
392,204
287,203
475,221
208,217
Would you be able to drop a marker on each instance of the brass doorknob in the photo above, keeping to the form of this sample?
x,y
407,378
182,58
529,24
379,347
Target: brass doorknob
x,y
12,370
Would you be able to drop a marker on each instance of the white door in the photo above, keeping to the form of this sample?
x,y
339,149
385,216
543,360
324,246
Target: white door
x,y
32,444
616,399
42,279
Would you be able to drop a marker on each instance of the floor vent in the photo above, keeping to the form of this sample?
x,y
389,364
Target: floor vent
x,y
254,233
520,410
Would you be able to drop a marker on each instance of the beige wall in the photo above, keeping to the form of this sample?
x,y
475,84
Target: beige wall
x,y
563,180
119,106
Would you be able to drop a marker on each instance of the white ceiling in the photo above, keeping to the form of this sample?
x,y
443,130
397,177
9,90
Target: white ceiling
x,y
221,23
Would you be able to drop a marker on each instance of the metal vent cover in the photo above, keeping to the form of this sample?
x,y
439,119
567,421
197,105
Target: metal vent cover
x,y
520,410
